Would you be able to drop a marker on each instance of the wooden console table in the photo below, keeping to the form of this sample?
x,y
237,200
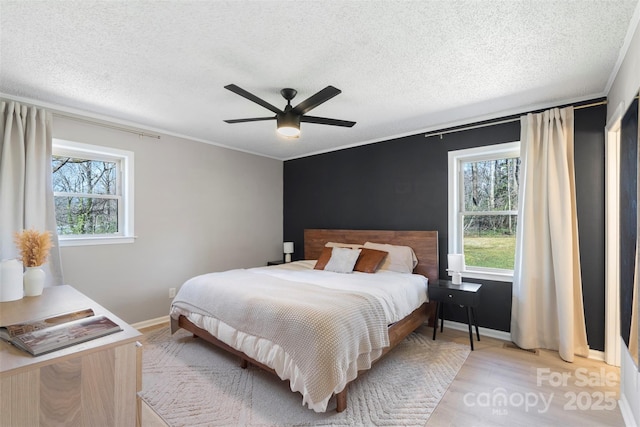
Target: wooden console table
x,y
89,384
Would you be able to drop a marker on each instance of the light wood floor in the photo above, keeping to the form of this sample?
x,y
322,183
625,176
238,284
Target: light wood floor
x,y
501,386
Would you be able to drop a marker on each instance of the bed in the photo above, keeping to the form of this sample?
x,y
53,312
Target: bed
x,y
264,341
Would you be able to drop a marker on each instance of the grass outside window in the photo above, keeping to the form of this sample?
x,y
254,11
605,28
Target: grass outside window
x,y
497,251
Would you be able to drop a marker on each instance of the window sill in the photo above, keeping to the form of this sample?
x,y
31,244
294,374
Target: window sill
x,y
95,240
485,275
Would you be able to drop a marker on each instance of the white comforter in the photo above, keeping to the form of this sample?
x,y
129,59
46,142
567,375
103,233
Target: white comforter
x,y
398,293
395,294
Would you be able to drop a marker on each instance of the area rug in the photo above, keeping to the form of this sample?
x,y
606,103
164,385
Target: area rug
x,y
189,382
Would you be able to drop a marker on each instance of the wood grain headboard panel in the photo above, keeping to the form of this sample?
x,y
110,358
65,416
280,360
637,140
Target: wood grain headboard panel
x,y
423,243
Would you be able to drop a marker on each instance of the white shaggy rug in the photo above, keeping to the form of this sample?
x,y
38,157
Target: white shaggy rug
x,y
189,382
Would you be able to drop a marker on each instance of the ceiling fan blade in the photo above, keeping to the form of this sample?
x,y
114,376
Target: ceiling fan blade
x,y
251,97
253,119
314,100
325,121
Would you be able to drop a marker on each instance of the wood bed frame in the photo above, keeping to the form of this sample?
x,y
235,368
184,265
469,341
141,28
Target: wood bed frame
x,y
425,246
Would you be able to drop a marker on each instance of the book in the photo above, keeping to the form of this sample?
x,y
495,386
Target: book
x,y
54,333
10,331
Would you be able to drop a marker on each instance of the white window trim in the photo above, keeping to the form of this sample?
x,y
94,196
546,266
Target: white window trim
x,y
613,338
508,149
126,158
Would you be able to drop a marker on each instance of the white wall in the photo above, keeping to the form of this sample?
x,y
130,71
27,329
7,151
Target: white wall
x,y
623,89
629,393
198,208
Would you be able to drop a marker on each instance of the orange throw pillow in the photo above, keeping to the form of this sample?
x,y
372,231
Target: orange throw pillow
x,y
324,258
370,260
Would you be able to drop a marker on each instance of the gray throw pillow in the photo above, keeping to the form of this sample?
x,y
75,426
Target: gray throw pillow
x,y
342,260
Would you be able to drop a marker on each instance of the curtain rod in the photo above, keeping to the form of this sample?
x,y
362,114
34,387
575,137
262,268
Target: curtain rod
x,y
140,133
500,122
57,112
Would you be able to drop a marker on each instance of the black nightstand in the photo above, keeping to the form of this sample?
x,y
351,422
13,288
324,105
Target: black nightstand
x,y
275,262
465,295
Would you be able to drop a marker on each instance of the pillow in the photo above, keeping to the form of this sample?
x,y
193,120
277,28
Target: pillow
x,y
344,245
324,258
342,260
401,259
370,260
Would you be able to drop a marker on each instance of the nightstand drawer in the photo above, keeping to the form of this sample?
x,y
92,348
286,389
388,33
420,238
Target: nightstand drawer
x,y
452,295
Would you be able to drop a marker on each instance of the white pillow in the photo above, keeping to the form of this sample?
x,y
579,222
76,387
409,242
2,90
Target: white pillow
x,y
342,260
401,259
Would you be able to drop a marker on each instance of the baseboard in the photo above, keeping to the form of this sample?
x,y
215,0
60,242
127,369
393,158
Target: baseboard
x,y
506,336
596,355
151,322
627,414
493,333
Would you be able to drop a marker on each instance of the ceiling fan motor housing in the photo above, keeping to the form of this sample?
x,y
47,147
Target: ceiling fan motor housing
x,y
288,120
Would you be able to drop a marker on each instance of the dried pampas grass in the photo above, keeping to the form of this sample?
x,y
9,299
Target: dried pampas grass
x,y
34,247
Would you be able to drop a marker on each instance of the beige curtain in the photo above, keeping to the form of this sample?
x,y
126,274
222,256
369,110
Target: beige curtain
x,y
26,193
547,310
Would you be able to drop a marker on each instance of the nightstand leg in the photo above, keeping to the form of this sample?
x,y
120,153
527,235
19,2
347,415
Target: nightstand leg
x,y
469,323
475,322
441,317
435,320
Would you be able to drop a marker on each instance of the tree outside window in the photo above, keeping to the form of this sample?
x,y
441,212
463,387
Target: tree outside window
x,y
86,195
490,212
93,193
483,208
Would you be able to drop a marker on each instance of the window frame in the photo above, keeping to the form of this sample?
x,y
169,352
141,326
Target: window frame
x,y
125,158
456,200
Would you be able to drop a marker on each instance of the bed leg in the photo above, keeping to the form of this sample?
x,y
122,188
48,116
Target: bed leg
x,y
244,364
341,400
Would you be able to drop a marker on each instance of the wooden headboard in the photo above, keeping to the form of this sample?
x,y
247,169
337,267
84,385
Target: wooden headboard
x,y
423,243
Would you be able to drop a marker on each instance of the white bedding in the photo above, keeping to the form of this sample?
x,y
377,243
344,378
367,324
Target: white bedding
x,y
398,295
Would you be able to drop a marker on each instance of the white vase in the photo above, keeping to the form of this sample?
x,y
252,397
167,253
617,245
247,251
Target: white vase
x,y
33,281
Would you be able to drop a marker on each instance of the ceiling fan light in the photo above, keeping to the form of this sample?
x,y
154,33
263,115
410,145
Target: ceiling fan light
x,y
289,125
289,131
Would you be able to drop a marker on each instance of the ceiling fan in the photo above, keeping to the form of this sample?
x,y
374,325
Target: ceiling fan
x,y
288,120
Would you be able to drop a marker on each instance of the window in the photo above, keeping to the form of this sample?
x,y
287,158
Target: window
x,y
93,193
483,208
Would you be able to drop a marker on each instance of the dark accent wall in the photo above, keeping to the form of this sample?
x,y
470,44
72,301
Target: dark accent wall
x,y
401,184
589,124
628,214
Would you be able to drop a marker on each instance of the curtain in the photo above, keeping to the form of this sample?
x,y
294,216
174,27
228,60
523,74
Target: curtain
x,y
26,193
547,309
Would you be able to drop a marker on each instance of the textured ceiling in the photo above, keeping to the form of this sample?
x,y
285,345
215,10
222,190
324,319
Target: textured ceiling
x,y
403,66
